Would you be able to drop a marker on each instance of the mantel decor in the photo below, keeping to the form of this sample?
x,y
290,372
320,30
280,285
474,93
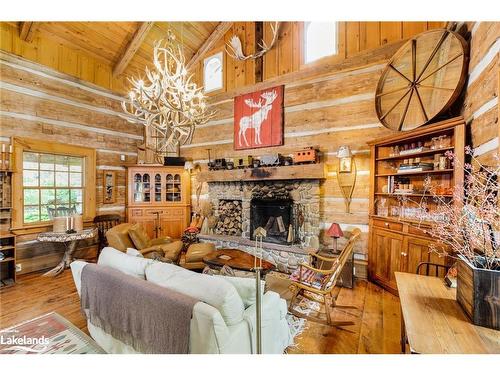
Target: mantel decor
x,y
423,79
169,104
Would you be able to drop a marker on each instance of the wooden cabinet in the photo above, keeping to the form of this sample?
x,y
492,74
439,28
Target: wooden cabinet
x,y
159,198
400,165
387,250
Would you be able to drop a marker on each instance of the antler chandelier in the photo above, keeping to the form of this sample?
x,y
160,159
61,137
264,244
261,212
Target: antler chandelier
x,y
167,102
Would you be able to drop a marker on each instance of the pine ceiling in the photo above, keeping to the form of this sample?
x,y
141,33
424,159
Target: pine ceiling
x,y
107,41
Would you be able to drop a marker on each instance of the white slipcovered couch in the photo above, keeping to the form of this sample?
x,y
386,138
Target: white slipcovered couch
x,y
223,320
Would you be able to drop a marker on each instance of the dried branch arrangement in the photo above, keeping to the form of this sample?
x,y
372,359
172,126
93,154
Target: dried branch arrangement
x,y
235,49
167,101
469,229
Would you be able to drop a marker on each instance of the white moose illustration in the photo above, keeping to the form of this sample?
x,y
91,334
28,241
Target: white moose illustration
x,y
255,120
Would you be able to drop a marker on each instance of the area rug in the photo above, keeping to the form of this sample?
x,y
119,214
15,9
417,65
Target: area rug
x,y
46,334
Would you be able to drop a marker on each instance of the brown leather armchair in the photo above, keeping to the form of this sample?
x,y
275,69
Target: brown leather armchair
x,y
193,258
134,236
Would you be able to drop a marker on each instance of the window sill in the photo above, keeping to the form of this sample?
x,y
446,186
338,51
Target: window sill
x,y
39,228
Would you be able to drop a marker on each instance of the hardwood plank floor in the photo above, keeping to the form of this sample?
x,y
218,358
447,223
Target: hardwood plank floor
x,y
376,328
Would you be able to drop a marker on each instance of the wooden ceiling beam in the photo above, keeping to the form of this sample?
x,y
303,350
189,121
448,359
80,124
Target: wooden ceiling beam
x,y
27,30
132,47
213,38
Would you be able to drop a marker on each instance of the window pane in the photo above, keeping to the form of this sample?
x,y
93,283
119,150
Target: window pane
x,y
30,160
76,164
30,178
47,212
62,196
31,196
76,195
47,178
31,214
62,179
212,72
79,208
75,179
320,40
48,196
47,162
62,163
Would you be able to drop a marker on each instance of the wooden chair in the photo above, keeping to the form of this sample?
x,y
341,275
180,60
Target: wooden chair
x,y
103,224
318,279
61,211
428,266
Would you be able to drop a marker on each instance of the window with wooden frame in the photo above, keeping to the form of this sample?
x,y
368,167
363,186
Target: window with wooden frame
x,y
320,40
50,180
213,72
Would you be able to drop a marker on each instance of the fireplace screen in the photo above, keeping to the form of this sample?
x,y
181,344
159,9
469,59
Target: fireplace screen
x,y
276,217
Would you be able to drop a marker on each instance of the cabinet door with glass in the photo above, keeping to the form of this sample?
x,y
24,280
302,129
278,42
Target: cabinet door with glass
x,y
173,188
141,187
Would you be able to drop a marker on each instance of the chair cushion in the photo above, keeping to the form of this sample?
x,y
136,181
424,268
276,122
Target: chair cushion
x,y
172,250
197,251
118,237
131,265
213,291
308,277
139,236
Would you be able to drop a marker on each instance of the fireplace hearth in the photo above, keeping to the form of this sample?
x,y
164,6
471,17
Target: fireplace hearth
x,y
276,217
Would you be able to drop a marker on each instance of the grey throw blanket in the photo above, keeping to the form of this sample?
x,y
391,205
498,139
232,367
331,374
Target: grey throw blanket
x,y
146,316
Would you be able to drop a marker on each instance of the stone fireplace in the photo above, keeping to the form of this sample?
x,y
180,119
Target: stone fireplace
x,y
287,209
276,217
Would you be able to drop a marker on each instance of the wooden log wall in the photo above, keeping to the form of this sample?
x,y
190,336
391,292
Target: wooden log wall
x,y
322,111
481,107
38,102
285,58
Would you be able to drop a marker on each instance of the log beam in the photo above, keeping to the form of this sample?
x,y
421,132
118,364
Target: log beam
x,y
218,33
132,47
27,30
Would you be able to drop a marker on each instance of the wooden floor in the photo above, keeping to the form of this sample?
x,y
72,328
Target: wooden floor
x,y
376,329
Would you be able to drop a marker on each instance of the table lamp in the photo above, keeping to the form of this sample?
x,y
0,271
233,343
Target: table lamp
x,y
335,232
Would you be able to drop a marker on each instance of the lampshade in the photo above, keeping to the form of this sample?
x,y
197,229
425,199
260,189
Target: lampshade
x,y
344,152
335,231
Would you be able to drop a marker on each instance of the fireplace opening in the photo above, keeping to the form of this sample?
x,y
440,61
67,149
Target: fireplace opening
x,y
275,216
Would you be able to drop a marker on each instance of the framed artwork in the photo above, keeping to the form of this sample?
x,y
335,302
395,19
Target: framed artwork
x,y
345,165
109,186
258,119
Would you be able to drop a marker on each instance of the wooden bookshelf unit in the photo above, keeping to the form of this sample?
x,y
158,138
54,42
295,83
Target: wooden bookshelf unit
x,y
402,165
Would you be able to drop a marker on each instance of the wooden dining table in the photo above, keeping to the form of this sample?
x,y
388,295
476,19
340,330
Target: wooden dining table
x,y
432,321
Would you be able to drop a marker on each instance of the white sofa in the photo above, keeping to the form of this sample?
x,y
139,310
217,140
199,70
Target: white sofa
x,y
223,320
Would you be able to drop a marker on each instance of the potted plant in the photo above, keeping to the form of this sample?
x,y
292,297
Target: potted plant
x,y
470,230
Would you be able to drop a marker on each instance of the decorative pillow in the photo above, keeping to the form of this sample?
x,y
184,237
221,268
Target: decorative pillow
x,y
245,287
214,291
139,236
131,265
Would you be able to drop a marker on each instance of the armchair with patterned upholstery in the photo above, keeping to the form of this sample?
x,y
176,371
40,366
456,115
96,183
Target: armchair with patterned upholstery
x,y
316,281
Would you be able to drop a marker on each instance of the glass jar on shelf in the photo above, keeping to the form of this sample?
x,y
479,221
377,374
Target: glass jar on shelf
x,y
382,209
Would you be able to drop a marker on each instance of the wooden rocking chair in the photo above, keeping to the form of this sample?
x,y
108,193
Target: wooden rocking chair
x,y
318,279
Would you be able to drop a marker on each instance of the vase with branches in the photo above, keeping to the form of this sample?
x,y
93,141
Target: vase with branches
x,y
471,227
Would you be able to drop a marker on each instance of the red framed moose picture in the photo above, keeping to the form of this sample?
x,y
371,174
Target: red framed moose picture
x,y
258,119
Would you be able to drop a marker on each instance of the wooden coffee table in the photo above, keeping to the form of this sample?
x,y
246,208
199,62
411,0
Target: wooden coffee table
x,y
236,259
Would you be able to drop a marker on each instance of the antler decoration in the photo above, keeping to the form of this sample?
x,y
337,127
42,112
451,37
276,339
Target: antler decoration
x,y
167,102
235,50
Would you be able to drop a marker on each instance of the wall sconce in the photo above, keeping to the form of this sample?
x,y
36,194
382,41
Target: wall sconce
x,y
346,174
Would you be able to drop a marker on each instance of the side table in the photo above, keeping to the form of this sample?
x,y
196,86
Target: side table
x,y
70,240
